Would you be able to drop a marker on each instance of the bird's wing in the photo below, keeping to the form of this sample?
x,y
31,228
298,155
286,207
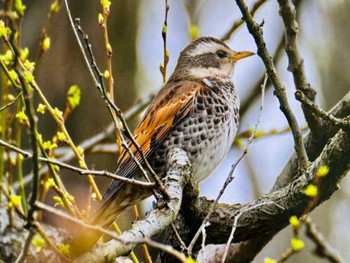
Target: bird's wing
x,y
168,108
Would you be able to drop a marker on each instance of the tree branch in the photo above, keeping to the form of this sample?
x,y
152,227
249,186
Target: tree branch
x,y
296,62
280,88
156,221
287,198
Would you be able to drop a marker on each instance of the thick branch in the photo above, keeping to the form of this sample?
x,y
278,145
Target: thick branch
x,y
157,220
262,223
278,206
260,219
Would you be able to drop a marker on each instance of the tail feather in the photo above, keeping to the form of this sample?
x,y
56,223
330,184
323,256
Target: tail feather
x,y
106,213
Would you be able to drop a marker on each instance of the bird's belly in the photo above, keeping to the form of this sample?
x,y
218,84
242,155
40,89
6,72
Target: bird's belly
x,y
215,151
206,143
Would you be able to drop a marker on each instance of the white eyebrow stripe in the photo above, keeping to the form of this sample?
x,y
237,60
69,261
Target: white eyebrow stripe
x,y
206,47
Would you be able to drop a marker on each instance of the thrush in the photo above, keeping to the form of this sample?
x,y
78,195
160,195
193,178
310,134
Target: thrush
x,y
197,111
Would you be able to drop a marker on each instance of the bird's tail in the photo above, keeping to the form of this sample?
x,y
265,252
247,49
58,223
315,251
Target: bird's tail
x,y
87,237
112,204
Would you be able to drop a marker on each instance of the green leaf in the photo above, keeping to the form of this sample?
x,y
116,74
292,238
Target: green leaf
x,y
49,146
28,76
58,201
41,108
46,44
73,96
61,136
21,117
105,3
194,32
39,243
29,65
64,248
20,7
269,260
294,221
16,200
311,190
296,244
191,260
3,29
322,171
58,113
55,6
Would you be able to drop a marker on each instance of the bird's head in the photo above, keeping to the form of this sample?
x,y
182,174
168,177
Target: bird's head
x,y
208,57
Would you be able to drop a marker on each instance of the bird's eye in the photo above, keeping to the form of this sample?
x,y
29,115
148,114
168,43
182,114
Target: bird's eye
x,y
221,53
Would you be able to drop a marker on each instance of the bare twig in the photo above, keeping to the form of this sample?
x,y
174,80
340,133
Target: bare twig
x,y
48,240
255,92
341,123
89,143
11,103
169,249
54,8
238,23
77,169
323,248
178,237
235,224
280,88
263,134
296,62
24,251
103,24
97,76
163,67
30,112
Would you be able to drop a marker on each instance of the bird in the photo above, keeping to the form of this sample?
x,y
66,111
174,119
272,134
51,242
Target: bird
x,y
197,111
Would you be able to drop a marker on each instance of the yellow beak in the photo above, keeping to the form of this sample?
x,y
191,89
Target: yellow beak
x,y
242,54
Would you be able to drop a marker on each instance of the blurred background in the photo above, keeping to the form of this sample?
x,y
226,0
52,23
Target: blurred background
x,y
135,36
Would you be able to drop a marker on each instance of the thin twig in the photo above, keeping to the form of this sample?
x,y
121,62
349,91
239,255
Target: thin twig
x,y
11,103
204,236
238,23
95,139
77,169
97,76
255,92
109,51
280,88
169,249
109,76
323,248
79,222
341,123
235,224
24,252
54,8
233,167
48,240
30,112
286,255
163,67
296,62
178,237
